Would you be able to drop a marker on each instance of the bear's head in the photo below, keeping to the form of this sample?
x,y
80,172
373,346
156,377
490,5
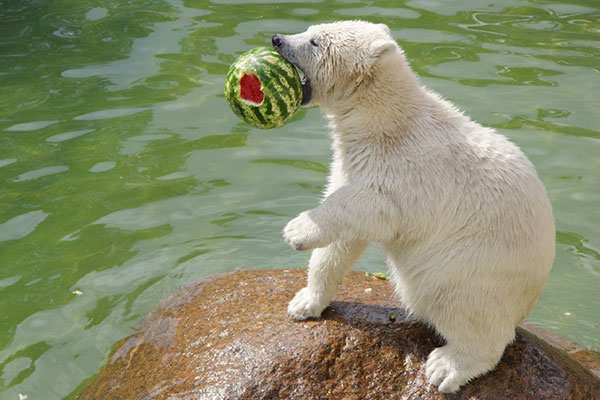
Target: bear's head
x,y
335,58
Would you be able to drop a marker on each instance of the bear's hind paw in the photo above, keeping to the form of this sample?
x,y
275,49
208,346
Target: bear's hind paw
x,y
441,371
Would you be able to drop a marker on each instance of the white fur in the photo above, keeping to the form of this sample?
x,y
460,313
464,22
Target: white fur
x,y
459,210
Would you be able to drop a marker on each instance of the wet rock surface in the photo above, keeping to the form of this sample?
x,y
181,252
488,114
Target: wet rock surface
x,y
228,337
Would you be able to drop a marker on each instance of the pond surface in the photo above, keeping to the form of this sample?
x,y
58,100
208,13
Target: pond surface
x,y
124,175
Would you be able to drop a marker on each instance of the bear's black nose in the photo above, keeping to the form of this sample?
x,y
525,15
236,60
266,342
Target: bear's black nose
x,y
276,39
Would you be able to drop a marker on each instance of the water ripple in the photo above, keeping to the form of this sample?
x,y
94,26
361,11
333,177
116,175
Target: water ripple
x,y
110,113
22,225
31,126
38,173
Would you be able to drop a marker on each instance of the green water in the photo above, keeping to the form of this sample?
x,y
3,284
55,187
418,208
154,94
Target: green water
x,y
124,175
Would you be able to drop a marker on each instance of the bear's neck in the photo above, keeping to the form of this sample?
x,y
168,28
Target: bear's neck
x,y
389,96
392,106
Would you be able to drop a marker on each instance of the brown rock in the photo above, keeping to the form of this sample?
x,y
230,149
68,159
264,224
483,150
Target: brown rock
x,y
228,337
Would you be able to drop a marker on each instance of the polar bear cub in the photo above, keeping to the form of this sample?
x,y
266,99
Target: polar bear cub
x,y
460,212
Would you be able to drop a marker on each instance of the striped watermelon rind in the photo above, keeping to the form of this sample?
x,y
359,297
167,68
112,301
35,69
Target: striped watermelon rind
x,y
280,84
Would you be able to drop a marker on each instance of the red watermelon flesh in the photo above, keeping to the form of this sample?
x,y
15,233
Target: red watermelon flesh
x,y
250,89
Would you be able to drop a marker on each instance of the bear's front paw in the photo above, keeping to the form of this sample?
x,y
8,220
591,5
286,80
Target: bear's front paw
x,y
306,305
302,233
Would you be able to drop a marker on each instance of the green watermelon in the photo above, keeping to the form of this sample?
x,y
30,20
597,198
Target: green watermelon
x,y
263,88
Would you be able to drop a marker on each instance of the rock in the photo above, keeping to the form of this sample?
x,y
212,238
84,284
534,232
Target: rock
x,y
228,337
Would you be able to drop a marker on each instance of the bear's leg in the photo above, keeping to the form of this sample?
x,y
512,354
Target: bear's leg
x,y
325,271
464,358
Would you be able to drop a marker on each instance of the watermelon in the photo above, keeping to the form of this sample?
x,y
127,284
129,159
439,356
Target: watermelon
x,y
263,88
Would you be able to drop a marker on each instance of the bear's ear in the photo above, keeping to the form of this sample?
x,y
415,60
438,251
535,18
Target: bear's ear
x,y
385,28
380,47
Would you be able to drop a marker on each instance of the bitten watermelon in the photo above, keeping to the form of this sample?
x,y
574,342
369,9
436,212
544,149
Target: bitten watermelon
x,y
263,88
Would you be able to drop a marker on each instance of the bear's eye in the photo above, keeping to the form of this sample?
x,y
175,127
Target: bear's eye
x,y
314,42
